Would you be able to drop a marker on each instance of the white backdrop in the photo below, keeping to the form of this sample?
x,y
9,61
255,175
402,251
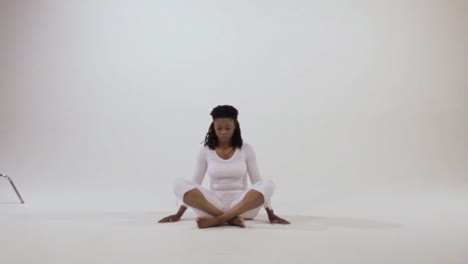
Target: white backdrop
x,y
103,103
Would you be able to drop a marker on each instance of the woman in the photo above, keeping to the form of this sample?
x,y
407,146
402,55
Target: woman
x,y
227,160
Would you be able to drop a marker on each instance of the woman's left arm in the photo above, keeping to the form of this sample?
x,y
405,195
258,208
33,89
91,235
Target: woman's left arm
x,y
274,219
254,175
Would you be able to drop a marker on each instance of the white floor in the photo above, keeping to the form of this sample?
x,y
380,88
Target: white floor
x,y
406,227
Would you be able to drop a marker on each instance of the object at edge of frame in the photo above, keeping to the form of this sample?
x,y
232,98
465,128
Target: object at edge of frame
x,y
14,187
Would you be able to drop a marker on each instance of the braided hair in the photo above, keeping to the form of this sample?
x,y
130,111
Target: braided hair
x,y
227,111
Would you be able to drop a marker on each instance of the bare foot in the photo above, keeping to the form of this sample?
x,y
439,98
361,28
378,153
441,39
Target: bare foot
x,y
238,221
205,222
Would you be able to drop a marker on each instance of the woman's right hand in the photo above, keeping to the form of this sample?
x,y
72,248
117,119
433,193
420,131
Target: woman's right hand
x,y
169,219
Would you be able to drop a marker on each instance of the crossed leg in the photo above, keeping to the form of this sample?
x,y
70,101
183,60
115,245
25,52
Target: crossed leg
x,y
247,205
196,199
251,200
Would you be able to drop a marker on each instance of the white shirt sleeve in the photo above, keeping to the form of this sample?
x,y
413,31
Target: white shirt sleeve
x,y
252,167
200,167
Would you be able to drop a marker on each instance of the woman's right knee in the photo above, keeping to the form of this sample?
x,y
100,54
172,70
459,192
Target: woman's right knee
x,y
191,195
178,183
181,186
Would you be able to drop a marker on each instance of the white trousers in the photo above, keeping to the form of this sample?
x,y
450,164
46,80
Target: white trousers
x,y
225,200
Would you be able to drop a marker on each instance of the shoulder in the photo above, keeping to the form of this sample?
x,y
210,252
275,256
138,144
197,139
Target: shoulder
x,y
202,152
246,145
248,149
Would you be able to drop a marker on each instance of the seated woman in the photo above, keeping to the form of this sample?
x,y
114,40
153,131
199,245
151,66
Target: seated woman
x,y
227,160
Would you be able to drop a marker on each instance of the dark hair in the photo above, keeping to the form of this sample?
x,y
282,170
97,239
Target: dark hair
x,y
228,111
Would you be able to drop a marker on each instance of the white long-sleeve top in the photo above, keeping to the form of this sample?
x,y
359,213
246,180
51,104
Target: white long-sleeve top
x,y
230,174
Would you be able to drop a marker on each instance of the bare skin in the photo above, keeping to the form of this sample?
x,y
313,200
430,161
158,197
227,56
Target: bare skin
x,y
274,219
224,130
237,221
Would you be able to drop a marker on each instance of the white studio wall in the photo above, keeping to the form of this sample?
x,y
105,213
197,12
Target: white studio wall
x,y
103,103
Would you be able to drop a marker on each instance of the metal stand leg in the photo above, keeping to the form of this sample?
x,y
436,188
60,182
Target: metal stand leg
x,y
14,187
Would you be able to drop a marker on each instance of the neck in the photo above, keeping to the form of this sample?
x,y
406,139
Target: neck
x,y
224,145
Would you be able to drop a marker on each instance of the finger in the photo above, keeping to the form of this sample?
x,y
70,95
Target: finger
x,y
281,220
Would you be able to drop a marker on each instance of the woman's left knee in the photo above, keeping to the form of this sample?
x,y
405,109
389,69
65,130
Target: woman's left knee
x,y
269,184
267,187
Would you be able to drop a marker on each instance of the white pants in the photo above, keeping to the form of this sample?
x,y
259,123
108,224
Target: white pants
x,y
225,200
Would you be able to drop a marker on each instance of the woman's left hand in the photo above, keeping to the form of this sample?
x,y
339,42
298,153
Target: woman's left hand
x,y
274,219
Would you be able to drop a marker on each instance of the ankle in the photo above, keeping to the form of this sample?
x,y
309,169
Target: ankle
x,y
224,219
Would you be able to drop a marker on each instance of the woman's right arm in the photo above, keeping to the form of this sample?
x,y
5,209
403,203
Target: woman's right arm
x,y
175,217
198,176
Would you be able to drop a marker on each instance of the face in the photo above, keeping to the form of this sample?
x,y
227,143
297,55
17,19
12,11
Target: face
x,y
224,129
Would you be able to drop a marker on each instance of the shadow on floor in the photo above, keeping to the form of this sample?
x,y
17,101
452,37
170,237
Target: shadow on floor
x,y
302,222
